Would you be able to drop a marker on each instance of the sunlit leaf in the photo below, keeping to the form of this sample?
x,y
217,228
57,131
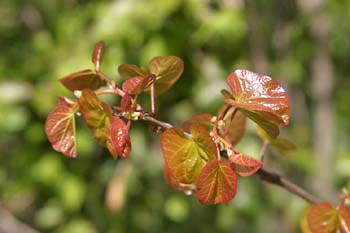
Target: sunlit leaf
x,y
127,71
97,54
138,84
168,70
261,96
186,156
60,127
244,165
120,137
85,79
97,115
323,218
216,183
344,219
303,221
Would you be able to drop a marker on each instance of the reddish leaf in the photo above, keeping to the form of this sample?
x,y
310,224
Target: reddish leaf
x,y
97,54
97,115
85,79
216,183
138,84
120,137
234,128
344,219
125,103
323,218
186,156
261,96
60,127
168,70
244,165
202,119
127,71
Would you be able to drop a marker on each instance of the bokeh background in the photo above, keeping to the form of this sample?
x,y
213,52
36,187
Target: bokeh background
x,y
304,44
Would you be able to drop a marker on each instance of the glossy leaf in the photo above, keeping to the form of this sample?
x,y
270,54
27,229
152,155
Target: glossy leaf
x,y
304,225
97,54
168,70
323,218
344,219
184,156
120,137
97,115
244,165
85,79
127,71
260,95
60,127
216,183
138,84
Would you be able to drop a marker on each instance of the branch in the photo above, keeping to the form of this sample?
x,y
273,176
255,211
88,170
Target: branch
x,y
265,175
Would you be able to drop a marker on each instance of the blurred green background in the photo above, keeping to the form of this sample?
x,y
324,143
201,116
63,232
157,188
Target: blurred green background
x,y
304,44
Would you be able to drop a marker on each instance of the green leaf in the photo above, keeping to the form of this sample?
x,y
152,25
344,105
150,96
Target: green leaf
x,y
244,165
262,99
127,71
97,54
168,70
184,156
303,221
85,79
216,183
60,127
344,219
323,218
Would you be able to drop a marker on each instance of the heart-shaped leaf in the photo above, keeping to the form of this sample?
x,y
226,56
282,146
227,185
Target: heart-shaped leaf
x,y
265,100
168,70
138,84
216,183
323,218
97,115
127,71
244,165
120,138
185,156
97,54
60,127
344,219
85,79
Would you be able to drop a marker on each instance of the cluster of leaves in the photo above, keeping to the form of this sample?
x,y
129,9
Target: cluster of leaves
x,y
200,157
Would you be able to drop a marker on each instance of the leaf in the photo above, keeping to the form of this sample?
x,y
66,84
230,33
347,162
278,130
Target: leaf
x,y
234,128
186,156
138,84
323,218
216,183
120,138
244,165
168,70
97,115
202,119
126,102
127,71
85,79
60,127
303,221
260,95
344,219
97,54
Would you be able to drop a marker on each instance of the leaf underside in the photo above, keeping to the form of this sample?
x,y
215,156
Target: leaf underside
x,y
85,79
244,165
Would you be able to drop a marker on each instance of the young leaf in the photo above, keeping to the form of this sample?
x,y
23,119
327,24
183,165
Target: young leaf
x,y
138,84
60,127
97,54
202,119
168,70
126,102
234,128
97,115
344,219
216,183
127,71
303,221
120,138
186,156
244,165
85,79
260,95
323,218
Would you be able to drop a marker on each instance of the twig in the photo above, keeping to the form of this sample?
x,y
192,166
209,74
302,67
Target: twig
x,y
265,175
